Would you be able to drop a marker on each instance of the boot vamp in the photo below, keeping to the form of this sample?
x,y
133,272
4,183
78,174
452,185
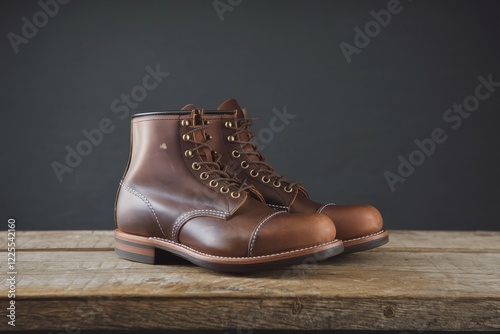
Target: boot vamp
x,y
256,230
351,221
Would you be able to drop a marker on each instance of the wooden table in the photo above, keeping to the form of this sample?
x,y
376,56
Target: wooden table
x,y
423,280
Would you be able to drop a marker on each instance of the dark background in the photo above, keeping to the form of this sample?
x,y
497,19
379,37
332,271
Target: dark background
x,y
353,120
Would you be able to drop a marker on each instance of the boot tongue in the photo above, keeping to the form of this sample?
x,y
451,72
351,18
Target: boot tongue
x,y
200,136
233,105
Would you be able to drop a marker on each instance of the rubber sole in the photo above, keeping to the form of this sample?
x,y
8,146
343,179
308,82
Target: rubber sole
x,y
157,251
367,242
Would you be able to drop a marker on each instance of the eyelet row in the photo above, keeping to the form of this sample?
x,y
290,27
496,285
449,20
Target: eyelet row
x,y
213,183
265,178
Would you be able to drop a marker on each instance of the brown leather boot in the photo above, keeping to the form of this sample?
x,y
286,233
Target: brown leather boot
x,y
175,196
359,226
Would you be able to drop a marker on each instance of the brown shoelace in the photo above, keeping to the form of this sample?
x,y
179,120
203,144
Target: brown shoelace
x,y
242,126
213,167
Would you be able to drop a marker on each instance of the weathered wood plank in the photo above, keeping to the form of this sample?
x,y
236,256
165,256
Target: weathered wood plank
x,y
444,241
478,241
63,240
433,281
250,313
375,274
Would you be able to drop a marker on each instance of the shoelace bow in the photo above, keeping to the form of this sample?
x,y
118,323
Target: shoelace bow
x,y
261,164
214,169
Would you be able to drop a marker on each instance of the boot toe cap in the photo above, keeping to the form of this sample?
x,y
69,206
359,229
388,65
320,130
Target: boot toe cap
x,y
289,232
353,221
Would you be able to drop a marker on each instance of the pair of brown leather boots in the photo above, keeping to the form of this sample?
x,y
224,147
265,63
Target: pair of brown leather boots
x,y
196,186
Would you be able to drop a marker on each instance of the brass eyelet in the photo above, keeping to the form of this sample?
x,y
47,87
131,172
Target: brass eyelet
x,y
224,190
230,138
228,125
204,176
277,184
235,195
186,137
196,166
185,122
288,190
235,154
188,154
208,137
265,179
244,164
213,183
254,173
207,122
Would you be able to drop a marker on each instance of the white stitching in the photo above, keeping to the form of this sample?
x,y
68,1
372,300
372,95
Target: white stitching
x,y
363,237
190,214
145,200
247,257
324,207
278,206
254,234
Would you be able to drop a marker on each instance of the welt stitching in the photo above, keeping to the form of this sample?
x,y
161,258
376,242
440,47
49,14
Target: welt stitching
x,y
235,257
145,200
365,236
254,234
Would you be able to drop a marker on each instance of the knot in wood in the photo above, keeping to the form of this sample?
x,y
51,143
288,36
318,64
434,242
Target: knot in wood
x,y
297,307
389,311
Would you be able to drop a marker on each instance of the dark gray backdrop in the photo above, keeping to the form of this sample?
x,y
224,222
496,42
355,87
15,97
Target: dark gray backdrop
x,y
352,120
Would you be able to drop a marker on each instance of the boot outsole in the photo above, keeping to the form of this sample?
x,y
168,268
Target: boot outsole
x,y
157,251
365,243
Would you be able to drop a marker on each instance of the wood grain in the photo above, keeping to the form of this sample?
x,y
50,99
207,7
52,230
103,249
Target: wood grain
x,y
421,280
450,241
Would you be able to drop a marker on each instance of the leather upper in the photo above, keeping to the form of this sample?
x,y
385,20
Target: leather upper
x,y
351,221
174,189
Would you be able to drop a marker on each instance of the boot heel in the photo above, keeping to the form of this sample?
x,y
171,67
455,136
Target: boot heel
x,y
131,248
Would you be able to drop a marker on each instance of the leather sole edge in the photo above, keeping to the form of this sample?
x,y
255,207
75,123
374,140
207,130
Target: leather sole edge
x,y
366,242
147,250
